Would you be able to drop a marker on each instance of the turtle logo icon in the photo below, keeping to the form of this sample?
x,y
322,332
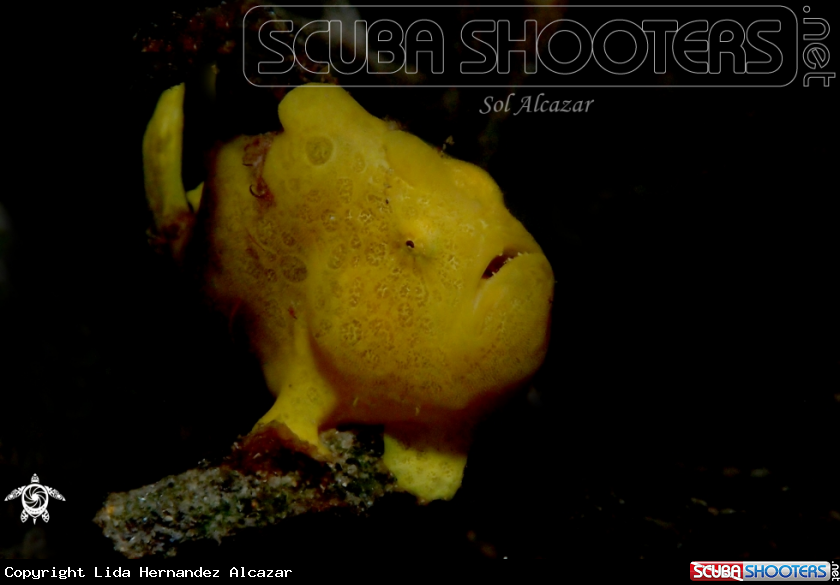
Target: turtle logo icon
x,y
35,499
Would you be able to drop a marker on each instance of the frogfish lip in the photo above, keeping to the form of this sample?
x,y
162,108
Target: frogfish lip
x,y
498,261
518,272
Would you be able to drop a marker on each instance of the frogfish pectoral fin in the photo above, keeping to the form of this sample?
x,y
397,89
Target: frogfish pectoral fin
x,y
427,462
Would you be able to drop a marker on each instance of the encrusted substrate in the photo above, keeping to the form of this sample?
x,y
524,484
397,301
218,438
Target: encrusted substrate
x,y
260,483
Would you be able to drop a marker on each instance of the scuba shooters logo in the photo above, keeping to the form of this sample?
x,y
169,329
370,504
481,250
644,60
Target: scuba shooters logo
x,y
35,498
760,571
547,46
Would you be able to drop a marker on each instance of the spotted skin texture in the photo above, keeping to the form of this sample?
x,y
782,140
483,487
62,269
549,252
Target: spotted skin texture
x,y
379,280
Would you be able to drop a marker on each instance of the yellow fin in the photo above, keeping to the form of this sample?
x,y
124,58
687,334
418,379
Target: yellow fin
x,y
427,467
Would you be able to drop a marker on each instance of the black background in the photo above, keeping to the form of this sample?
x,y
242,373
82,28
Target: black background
x,y
688,405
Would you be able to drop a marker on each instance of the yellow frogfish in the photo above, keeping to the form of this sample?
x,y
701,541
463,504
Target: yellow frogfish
x,y
380,281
